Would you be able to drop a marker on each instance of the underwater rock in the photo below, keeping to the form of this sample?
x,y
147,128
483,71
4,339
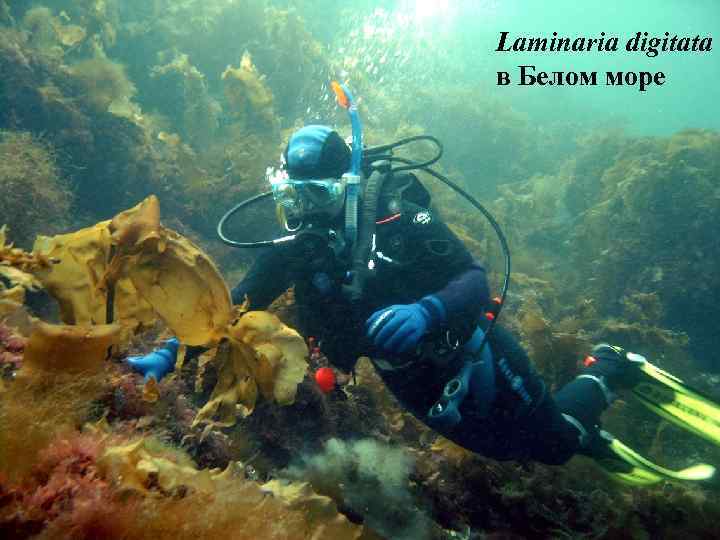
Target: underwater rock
x,y
150,469
65,496
106,157
595,154
99,485
651,232
33,195
70,35
140,466
103,82
48,32
642,336
39,24
12,346
624,225
288,42
643,307
126,400
318,509
473,120
249,98
183,96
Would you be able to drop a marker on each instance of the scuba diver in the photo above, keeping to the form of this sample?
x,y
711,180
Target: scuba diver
x,y
377,273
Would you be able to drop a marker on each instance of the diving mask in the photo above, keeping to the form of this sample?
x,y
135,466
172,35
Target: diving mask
x,y
298,200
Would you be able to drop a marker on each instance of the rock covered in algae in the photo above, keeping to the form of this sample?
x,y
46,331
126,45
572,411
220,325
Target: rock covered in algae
x,y
247,93
33,195
5,15
97,484
274,510
183,94
103,82
653,230
47,32
134,464
319,510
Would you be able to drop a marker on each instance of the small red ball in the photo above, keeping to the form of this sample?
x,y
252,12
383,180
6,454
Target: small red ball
x,y
325,379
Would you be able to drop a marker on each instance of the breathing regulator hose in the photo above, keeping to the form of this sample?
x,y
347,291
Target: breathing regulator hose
x,y
234,210
361,254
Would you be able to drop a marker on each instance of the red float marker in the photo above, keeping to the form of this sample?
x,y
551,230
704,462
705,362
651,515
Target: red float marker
x,y
589,361
325,379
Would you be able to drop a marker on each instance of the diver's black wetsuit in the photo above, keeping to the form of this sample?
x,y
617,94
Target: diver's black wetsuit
x,y
419,256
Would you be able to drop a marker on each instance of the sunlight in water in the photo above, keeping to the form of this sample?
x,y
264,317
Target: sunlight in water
x,y
425,9
414,44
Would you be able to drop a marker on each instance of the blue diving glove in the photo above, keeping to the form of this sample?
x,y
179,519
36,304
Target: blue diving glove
x,y
398,329
158,363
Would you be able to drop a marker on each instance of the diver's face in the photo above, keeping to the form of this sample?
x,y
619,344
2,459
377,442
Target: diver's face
x,y
308,200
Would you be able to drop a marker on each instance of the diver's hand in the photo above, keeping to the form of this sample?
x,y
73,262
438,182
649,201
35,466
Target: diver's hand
x,y
399,328
158,363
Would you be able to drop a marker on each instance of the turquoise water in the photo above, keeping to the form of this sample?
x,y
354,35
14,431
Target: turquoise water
x,y
462,36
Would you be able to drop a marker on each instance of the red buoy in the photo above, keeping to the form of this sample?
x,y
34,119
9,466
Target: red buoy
x,y
325,379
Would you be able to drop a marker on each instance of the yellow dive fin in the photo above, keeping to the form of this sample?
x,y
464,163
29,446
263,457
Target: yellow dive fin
x,y
671,398
626,465
675,401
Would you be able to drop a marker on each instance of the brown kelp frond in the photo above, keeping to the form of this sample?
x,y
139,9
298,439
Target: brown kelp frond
x,y
138,271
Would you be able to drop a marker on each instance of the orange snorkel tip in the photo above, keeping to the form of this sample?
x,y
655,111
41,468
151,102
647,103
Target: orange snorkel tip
x,y
342,98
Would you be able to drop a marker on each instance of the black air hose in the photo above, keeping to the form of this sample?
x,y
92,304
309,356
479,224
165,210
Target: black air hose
x,y
361,251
